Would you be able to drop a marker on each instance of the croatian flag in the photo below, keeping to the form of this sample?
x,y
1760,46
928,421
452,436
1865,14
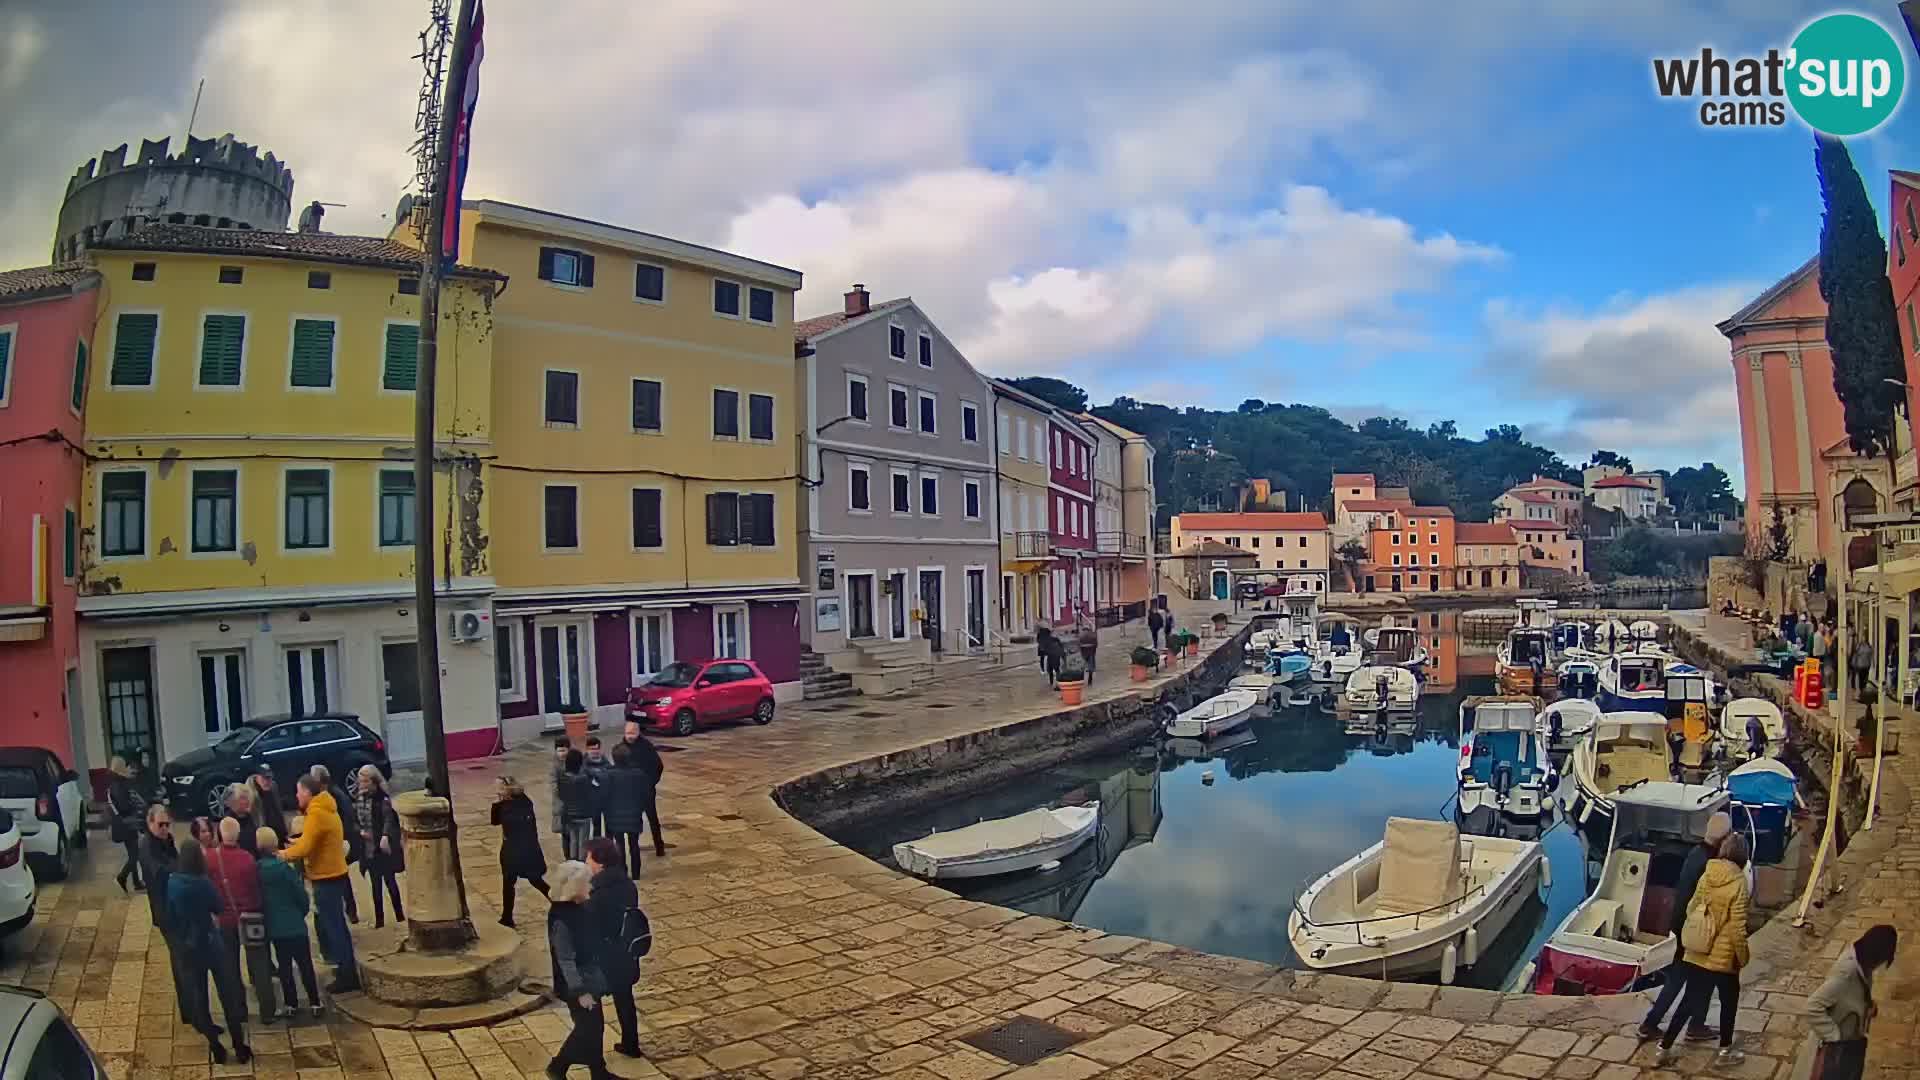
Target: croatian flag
x,y
462,139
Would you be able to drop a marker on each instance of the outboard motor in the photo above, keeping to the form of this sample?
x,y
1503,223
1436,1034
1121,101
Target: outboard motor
x,y
1503,778
1756,738
1590,685
1555,720
1380,689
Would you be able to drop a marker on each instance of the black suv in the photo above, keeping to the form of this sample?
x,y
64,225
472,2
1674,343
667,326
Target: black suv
x,y
196,782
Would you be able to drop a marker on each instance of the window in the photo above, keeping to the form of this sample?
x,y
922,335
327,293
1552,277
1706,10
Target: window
x,y
970,421
409,286
857,397
739,520
1394,539
650,283
400,358
926,349
509,662
726,298
1001,428
1433,538
1256,543
311,365
730,639
309,511
562,514
563,398
216,495
646,405
929,414
760,304
1396,558
1303,564
859,489
1059,457
1022,422
123,513
565,266
902,493
930,494
143,271
760,417
1913,328
897,342
647,531
230,275
1433,558
1303,541
396,507
972,492
134,337
222,348
79,375
6,357
70,548
726,414
1913,227
896,407
222,689
652,643
59,1054
319,279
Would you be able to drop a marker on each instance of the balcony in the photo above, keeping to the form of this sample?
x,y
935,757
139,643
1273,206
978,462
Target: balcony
x,y
1127,544
1033,545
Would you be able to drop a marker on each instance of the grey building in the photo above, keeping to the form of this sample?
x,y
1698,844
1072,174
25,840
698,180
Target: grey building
x,y
902,548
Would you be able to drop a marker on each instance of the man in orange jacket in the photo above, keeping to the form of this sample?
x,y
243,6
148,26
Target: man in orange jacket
x,y
323,847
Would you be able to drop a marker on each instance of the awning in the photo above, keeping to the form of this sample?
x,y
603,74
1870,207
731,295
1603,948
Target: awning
x,y
1896,578
23,628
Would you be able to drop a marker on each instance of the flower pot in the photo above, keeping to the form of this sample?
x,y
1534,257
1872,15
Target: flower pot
x,y
1138,671
576,728
1070,691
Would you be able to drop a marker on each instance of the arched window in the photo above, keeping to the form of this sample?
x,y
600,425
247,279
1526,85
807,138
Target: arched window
x,y
1859,498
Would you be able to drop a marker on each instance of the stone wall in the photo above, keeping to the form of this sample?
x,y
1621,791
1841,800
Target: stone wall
x,y
1730,577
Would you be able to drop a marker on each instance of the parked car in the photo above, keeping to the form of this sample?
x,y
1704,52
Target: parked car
x,y
46,802
37,1042
689,695
17,890
195,782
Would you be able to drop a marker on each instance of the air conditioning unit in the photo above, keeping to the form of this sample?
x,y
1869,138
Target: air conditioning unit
x,y
470,624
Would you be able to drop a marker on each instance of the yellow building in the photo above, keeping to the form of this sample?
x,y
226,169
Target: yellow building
x,y
1294,548
247,504
1026,540
646,424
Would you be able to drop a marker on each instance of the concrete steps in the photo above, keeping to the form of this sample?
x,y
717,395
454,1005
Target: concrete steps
x,y
819,682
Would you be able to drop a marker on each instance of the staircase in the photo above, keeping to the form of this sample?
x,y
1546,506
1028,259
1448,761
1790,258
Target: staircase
x,y
818,680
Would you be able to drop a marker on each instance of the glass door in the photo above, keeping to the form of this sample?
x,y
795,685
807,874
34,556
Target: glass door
x,y
860,606
562,652
976,607
313,673
223,696
126,677
897,604
405,729
930,607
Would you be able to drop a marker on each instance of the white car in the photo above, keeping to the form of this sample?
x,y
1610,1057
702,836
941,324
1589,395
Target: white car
x,y
39,1042
44,797
17,891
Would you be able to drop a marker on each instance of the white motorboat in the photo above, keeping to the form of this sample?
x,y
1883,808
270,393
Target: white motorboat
x,y
1611,636
1375,688
1566,722
1644,631
1623,750
1334,663
1621,936
1503,761
1578,676
1397,646
1738,727
1633,680
1001,846
1207,749
1524,662
1214,715
1423,901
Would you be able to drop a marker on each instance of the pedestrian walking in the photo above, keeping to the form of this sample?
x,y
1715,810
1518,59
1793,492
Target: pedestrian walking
x,y
611,895
577,978
240,807
1155,624
384,859
194,906
127,814
1043,648
1841,1011
560,749
646,757
519,844
1695,864
520,854
283,899
596,767
158,857
624,791
322,850
1714,945
1089,646
243,918
267,810
579,803
350,828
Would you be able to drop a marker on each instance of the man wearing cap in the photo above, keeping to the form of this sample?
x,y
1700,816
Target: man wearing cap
x,y
1718,827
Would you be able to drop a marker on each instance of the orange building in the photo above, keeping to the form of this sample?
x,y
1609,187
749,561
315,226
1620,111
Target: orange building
x,y
1552,545
1903,270
1412,550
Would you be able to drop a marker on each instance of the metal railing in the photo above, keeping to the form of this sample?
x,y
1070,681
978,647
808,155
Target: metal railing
x,y
1122,543
1033,545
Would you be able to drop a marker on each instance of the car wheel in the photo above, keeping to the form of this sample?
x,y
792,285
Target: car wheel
x,y
683,722
213,801
763,712
80,834
60,864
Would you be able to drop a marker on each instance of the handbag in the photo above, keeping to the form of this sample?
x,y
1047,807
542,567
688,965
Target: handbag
x,y
253,928
1845,1059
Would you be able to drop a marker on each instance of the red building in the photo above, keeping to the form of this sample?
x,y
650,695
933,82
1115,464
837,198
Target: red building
x,y
46,329
1070,516
1903,270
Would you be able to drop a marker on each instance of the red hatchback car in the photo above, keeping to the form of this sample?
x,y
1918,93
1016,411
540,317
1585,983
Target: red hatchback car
x,y
688,695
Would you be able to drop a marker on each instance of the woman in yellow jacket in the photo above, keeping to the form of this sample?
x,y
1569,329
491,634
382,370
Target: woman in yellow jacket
x,y
1720,903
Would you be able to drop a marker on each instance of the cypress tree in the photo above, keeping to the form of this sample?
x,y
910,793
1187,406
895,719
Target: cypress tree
x,y
1862,335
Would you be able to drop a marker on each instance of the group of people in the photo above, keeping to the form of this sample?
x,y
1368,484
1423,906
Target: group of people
x,y
596,794
1052,649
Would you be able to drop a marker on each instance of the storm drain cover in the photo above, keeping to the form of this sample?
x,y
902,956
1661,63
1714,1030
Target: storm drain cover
x,y
1022,1040
869,714
944,705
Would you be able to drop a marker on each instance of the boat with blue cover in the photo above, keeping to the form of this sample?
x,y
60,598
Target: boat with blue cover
x,y
1504,764
1769,793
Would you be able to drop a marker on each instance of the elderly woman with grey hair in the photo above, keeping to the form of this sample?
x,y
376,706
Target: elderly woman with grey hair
x,y
380,841
577,978
243,807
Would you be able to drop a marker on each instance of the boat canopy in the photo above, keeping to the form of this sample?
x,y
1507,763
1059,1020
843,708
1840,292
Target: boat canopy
x,y
1763,782
1666,808
1504,714
1398,642
1419,866
1639,672
1644,727
1574,714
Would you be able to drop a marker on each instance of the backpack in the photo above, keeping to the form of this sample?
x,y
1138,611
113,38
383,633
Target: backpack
x,y
636,933
1702,927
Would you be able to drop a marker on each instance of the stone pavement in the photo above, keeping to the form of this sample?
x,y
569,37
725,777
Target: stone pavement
x,y
780,954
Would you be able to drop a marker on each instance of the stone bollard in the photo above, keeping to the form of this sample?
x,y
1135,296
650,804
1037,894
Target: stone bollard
x,y
433,895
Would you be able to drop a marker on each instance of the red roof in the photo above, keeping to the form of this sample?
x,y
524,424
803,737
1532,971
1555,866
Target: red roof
x,y
1532,523
1255,522
1545,482
371,251
1431,511
1528,496
1622,482
1352,478
1483,532
1376,506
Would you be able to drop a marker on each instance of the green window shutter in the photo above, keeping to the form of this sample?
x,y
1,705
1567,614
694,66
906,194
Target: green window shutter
x,y
79,375
133,344
221,339
402,357
6,356
313,352
70,540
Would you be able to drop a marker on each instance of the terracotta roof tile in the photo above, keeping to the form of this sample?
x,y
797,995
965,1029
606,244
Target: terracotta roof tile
x,y
1622,482
1254,522
807,329
1376,506
372,251
43,280
1484,532
1431,511
1528,496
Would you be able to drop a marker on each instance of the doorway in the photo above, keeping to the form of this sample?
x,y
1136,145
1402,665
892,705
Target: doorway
x,y
1222,584
400,672
930,589
564,652
897,605
223,693
126,676
976,607
860,622
313,678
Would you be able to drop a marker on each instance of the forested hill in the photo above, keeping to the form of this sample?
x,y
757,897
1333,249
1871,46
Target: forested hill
x,y
1299,447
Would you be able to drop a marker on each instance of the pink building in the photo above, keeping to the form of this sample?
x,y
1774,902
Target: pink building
x,y
46,329
1903,272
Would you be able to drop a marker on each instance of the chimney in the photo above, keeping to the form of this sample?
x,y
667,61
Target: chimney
x,y
858,301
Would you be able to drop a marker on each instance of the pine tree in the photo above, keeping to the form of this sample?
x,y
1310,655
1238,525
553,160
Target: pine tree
x,y
1862,335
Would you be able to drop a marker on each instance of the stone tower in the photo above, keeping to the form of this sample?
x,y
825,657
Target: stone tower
x,y
221,182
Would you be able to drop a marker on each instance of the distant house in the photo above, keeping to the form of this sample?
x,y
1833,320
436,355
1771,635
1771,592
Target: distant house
x,y
1486,555
1551,545
1280,543
1540,499
1205,570
1627,495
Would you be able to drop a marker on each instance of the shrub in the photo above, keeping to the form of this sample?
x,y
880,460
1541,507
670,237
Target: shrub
x,y
1145,657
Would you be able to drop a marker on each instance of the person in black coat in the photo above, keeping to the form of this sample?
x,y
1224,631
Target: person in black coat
x,y
127,815
643,755
613,893
158,857
520,854
626,790
577,978
267,810
382,854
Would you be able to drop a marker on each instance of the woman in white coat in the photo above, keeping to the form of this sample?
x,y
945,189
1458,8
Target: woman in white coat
x,y
1839,1013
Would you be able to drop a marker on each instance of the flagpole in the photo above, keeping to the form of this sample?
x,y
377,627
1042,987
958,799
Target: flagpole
x,y
426,613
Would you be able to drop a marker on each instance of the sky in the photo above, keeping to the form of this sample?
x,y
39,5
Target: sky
x,y
1476,212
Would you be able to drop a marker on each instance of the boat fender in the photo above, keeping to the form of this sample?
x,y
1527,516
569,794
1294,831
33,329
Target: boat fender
x,y
1207,777
1546,875
1586,811
1449,959
1470,952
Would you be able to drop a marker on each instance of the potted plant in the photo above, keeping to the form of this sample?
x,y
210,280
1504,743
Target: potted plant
x,y
574,716
1073,677
1144,661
